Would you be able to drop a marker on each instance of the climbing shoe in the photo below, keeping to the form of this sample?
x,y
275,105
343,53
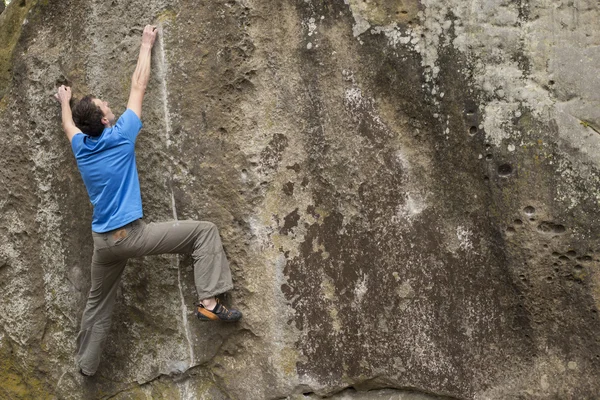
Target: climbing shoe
x,y
219,313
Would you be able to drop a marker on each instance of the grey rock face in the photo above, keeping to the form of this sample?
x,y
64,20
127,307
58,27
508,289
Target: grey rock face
x,y
407,191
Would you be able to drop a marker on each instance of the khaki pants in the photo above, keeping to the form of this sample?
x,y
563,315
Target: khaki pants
x,y
136,239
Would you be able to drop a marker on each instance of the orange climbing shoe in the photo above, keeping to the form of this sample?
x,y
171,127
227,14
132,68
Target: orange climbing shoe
x,y
219,313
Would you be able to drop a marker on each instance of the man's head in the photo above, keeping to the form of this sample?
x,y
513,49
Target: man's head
x,y
92,115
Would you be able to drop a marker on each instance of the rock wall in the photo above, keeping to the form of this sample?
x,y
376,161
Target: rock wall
x,y
407,191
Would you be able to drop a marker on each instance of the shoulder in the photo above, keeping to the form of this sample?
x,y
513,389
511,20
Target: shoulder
x,y
129,116
77,140
128,125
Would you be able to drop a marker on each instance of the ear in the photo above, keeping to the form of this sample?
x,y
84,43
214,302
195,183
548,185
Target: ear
x,y
105,121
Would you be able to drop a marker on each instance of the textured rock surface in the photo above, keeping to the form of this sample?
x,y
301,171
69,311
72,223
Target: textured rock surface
x,y
407,190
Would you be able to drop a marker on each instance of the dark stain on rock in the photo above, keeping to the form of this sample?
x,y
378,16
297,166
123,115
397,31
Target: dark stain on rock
x,y
289,222
288,188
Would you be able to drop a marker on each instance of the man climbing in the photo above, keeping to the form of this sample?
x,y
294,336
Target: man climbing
x,y
104,149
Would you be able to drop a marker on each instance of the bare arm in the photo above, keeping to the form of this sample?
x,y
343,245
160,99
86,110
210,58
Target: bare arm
x,y
64,97
141,75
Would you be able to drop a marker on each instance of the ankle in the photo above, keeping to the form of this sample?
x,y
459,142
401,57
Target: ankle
x,y
209,303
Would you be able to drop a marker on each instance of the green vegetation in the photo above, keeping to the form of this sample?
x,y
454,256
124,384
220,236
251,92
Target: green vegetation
x,y
11,22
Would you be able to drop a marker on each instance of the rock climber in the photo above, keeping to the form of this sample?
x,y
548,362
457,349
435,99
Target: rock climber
x,y
104,148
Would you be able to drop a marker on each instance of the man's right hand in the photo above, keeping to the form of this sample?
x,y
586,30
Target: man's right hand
x,y
149,35
63,95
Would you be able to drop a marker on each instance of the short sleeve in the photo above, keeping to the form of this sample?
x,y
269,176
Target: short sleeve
x,y
128,125
76,142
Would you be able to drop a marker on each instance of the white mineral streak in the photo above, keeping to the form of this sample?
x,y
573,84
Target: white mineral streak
x,y
163,68
162,73
415,200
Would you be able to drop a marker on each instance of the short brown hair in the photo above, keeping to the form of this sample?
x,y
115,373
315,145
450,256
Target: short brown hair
x,y
88,116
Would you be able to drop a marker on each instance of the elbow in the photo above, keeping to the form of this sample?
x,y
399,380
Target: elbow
x,y
68,125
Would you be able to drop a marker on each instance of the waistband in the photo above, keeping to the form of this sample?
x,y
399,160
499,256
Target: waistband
x,y
129,225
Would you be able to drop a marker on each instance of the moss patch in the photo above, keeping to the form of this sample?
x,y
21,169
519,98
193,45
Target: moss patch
x,y
11,23
16,383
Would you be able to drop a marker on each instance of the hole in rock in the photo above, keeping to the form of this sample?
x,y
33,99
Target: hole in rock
x,y
529,210
489,157
578,268
571,253
505,170
518,222
549,278
510,230
564,258
584,258
551,82
545,246
555,254
473,130
551,227
558,228
486,179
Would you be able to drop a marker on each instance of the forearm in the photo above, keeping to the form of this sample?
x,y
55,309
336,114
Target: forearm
x,y
67,116
141,75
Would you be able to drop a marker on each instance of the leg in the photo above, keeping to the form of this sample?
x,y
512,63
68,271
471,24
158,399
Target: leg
x,y
211,268
97,316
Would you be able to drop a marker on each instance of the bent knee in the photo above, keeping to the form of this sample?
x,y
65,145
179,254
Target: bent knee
x,y
209,226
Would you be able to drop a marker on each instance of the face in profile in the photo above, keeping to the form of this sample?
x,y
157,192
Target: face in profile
x,y
109,117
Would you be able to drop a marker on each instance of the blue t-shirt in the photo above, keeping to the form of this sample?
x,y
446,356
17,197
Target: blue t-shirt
x,y
107,166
